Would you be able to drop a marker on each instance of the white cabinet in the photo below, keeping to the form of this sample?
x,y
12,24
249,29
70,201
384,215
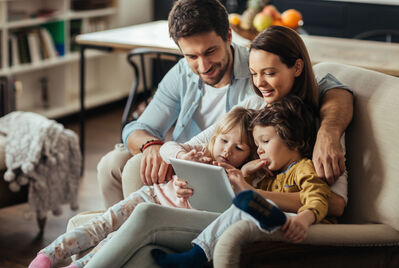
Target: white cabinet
x,y
50,85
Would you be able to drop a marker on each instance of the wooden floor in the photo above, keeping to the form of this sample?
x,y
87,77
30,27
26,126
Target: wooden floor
x,y
18,231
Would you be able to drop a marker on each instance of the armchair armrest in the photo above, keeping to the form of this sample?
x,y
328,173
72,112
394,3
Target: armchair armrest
x,y
237,244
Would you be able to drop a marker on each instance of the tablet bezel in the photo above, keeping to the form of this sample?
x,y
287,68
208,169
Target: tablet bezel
x,y
212,189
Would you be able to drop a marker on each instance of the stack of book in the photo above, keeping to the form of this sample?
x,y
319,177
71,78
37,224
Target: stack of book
x,y
34,45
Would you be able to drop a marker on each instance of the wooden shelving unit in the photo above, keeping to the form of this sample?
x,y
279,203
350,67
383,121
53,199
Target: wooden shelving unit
x,y
105,82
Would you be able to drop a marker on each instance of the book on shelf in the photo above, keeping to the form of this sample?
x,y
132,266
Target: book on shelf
x,y
14,53
57,32
30,46
23,47
34,46
46,40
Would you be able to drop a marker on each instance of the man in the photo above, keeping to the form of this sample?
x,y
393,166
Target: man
x,y
209,81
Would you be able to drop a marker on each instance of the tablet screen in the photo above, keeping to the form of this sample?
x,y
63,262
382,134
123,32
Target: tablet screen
x,y
212,189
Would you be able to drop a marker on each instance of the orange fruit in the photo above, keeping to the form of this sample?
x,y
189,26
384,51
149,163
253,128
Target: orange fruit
x,y
278,22
234,19
291,18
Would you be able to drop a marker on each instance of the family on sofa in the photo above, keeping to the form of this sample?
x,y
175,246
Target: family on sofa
x,y
273,104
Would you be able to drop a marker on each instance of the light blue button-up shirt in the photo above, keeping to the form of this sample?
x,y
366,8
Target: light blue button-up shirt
x,y
179,94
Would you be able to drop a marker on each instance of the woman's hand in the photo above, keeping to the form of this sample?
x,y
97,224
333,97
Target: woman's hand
x,y
183,191
255,165
296,228
194,155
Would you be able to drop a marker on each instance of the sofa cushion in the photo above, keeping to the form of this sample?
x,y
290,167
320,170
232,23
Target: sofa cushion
x,y
372,144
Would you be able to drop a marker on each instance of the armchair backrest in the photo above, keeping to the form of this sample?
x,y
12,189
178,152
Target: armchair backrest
x,y
372,141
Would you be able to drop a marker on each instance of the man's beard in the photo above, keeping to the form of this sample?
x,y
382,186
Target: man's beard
x,y
222,72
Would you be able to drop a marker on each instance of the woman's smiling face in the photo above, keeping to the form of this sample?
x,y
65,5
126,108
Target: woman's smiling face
x,y
272,77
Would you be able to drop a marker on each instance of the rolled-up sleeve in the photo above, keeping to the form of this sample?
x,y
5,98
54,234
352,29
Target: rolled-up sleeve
x,y
328,82
162,111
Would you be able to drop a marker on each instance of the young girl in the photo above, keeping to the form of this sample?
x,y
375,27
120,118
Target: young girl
x,y
230,144
284,133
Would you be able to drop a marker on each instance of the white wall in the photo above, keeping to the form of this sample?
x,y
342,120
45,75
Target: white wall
x,y
134,11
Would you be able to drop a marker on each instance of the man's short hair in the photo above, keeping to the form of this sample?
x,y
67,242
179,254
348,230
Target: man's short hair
x,y
190,17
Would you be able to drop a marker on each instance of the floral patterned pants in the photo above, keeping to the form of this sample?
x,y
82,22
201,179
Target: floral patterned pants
x,y
98,231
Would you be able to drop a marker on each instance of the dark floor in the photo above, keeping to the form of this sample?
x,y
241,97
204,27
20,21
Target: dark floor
x,y
18,231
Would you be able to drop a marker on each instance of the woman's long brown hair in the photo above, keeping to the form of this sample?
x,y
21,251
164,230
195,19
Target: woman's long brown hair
x,y
289,46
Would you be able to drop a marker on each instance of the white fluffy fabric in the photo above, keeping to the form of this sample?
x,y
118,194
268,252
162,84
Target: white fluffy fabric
x,y
42,153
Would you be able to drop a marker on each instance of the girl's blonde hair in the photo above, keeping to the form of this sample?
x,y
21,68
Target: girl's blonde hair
x,y
289,46
241,117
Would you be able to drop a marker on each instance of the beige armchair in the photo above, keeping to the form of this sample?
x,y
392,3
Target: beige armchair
x,y
368,235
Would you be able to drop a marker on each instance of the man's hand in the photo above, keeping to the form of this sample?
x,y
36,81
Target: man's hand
x,y
328,157
336,111
153,169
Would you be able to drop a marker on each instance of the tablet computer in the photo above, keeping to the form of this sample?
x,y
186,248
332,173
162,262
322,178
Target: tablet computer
x,y
212,189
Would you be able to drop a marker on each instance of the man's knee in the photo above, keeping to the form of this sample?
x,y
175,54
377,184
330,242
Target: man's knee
x,y
131,179
109,175
111,165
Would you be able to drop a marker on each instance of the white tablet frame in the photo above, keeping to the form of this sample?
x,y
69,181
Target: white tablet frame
x,y
212,189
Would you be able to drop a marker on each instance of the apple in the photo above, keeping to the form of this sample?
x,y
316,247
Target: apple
x,y
272,11
262,21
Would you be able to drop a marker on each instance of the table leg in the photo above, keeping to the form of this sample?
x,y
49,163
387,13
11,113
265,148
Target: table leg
x,y
82,103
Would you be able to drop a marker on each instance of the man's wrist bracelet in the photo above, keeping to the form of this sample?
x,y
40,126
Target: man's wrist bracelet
x,y
149,143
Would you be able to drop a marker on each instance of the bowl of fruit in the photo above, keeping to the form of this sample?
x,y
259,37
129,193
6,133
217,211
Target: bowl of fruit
x,y
256,18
